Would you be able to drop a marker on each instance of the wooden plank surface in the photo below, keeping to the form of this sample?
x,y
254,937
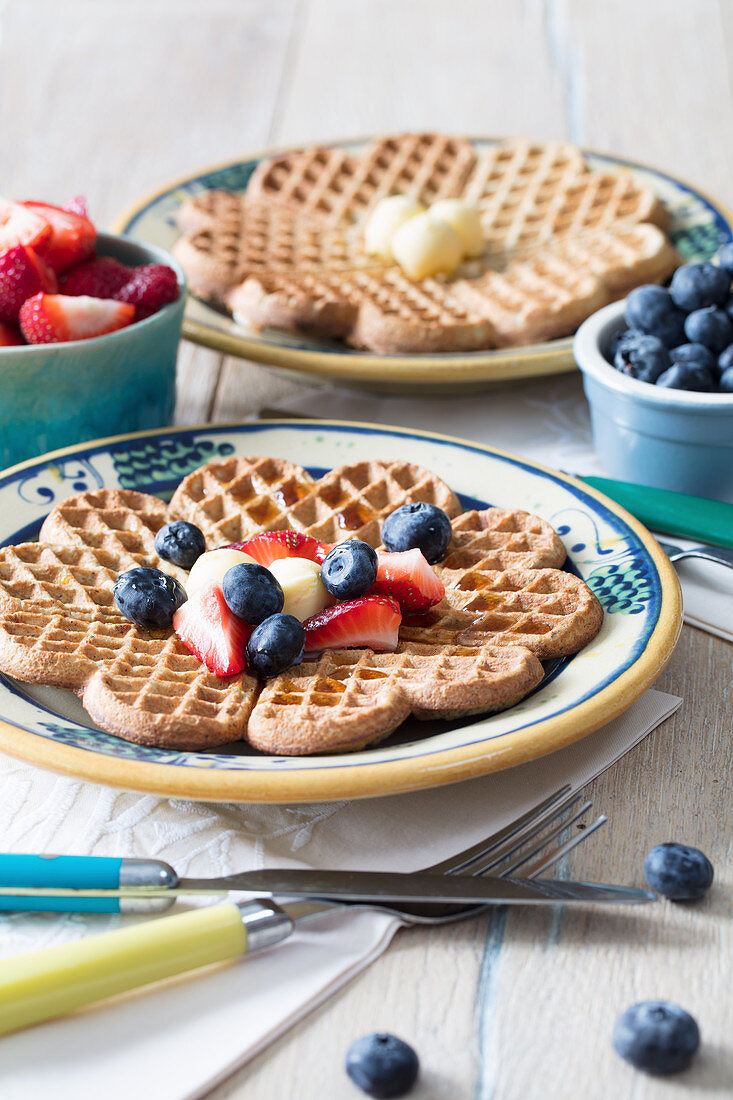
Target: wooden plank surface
x,y
127,94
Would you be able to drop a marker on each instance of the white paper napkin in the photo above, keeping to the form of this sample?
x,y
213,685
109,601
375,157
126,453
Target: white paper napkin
x,y
176,1042
707,591
546,420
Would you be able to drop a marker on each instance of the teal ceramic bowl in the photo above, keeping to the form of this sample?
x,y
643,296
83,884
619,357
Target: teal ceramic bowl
x,y
56,395
650,435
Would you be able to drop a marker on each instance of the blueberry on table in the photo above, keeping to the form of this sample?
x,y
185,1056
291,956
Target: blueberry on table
x,y
678,872
275,644
650,309
252,593
641,357
710,326
180,543
349,570
382,1065
148,597
656,1036
725,259
695,286
420,526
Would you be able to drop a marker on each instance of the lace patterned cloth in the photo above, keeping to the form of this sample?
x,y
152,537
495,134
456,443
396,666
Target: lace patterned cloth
x,y
175,1042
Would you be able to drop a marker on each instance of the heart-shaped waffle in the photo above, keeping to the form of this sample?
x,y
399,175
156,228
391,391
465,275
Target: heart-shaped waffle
x,y
506,603
560,242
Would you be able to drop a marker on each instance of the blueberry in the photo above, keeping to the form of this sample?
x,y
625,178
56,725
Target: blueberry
x,y
641,357
252,593
382,1065
698,354
148,598
725,259
687,376
656,1036
180,543
678,872
349,570
725,359
725,382
651,310
695,286
728,307
275,644
418,525
620,337
710,326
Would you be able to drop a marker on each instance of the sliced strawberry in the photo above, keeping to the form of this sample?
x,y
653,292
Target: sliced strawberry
x,y
77,205
212,632
370,621
100,277
19,225
10,335
56,318
409,578
72,236
271,545
149,287
22,274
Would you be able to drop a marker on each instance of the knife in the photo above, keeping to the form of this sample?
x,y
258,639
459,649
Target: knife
x,y
675,513
56,980
92,883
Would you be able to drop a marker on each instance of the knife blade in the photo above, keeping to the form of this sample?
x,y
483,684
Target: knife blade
x,y
369,887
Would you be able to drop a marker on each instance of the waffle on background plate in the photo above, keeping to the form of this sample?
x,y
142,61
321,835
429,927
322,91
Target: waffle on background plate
x,y
560,242
508,604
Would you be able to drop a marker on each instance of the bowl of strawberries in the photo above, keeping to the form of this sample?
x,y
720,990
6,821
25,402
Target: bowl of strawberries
x,y
89,330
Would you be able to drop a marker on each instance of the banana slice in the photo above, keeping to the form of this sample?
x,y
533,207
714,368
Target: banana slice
x,y
424,246
384,221
211,567
466,221
300,580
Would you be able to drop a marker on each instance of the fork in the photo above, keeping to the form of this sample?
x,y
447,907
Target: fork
x,y
493,852
61,979
717,554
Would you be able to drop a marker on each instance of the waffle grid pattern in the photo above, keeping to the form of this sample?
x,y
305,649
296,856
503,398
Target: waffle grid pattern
x,y
289,253
357,693
338,188
477,651
234,500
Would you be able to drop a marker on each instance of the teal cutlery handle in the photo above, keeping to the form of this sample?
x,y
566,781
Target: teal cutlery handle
x,y
693,517
83,873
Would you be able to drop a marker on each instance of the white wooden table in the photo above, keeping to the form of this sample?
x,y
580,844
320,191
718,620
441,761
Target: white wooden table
x,y
112,99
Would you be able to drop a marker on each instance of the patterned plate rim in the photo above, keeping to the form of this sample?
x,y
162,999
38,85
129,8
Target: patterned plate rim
x,y
368,779
550,357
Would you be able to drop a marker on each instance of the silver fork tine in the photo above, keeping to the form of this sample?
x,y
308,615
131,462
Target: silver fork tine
x,y
454,864
542,864
487,864
546,840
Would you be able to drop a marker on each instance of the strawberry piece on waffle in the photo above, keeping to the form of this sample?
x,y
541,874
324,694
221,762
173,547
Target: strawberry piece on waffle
x,y
371,622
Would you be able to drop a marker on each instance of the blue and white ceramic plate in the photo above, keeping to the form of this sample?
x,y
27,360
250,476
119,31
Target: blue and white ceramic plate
x,y
613,553
699,225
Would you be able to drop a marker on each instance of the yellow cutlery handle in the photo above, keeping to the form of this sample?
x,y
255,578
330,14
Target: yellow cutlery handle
x,y
57,980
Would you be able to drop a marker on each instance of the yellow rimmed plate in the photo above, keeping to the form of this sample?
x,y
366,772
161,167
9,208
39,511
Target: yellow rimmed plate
x,y
613,553
698,226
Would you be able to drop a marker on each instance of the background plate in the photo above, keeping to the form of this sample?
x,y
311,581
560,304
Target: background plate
x,y
616,556
699,226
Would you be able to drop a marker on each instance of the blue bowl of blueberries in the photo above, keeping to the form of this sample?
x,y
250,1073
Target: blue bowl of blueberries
x,y
658,375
